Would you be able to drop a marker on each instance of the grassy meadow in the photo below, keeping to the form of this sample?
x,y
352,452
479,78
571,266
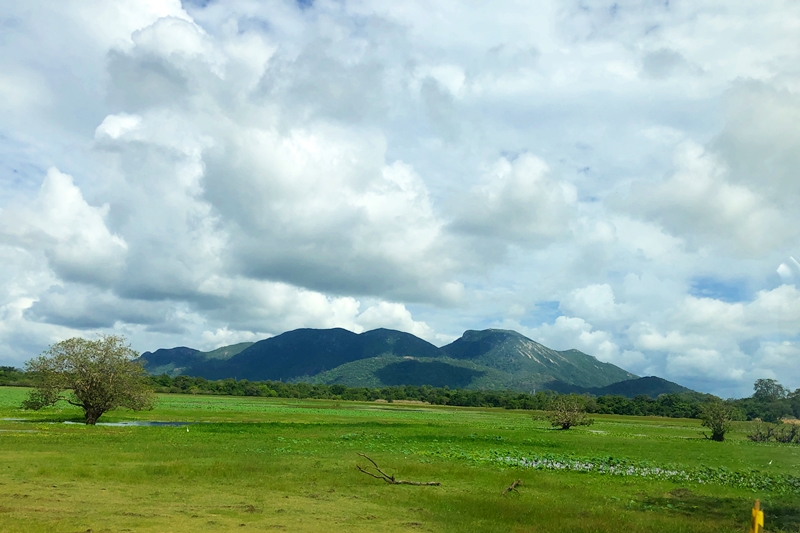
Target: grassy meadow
x,y
265,464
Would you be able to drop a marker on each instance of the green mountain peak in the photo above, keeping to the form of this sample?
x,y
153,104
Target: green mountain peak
x,y
487,359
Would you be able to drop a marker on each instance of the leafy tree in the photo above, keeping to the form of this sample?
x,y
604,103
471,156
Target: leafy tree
x,y
568,411
97,376
768,390
794,402
717,415
770,402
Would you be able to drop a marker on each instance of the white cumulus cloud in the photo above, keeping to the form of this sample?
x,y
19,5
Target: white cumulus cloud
x,y
619,178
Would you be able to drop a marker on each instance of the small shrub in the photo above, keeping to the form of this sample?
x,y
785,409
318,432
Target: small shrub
x,y
717,417
568,411
761,432
782,433
787,433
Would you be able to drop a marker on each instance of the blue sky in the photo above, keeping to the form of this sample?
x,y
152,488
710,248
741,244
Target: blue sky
x,y
616,177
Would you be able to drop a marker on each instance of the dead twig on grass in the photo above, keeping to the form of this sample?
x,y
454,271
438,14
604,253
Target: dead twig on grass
x,y
513,487
387,478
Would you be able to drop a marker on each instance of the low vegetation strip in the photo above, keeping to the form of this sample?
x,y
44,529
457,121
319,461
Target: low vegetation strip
x,y
613,466
771,401
679,405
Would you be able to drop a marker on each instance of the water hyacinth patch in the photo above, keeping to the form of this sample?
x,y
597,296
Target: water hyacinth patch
x,y
613,466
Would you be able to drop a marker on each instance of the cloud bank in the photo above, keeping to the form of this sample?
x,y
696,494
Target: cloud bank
x,y
619,178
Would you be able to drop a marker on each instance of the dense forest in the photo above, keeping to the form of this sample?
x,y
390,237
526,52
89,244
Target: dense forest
x,y
770,401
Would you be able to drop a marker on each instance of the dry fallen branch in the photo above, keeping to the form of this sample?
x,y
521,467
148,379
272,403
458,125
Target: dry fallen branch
x,y
513,487
387,478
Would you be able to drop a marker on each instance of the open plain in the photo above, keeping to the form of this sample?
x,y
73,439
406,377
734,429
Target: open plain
x,y
265,464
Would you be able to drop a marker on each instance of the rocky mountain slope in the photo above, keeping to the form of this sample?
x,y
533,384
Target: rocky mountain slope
x,y
492,359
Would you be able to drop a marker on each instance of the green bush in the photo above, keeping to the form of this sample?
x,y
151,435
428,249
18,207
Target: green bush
x,y
717,416
568,411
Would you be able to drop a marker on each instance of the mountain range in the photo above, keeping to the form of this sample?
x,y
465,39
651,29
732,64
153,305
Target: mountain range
x,y
491,359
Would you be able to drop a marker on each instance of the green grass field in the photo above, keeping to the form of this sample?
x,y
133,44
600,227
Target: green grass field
x,y
256,464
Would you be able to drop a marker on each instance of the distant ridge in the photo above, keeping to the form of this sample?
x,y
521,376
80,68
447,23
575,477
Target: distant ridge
x,y
514,353
177,361
491,359
651,386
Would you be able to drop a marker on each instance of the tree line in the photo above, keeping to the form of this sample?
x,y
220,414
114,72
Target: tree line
x,y
14,377
770,402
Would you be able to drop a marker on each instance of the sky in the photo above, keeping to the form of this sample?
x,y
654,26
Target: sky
x,y
616,177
